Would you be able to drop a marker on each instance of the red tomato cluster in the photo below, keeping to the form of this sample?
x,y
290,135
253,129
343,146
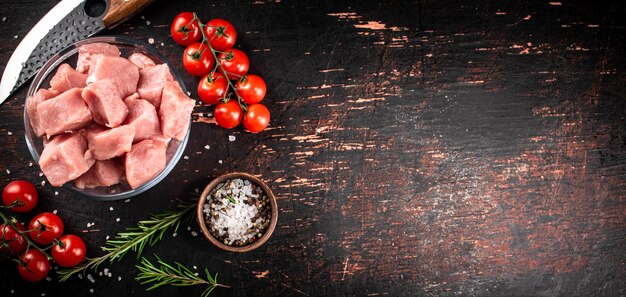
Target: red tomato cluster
x,y
211,42
44,229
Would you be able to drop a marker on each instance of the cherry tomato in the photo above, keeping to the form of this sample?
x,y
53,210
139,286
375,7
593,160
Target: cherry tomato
x,y
34,266
46,228
211,90
251,88
198,59
221,34
20,196
257,118
70,251
235,62
184,29
228,115
11,241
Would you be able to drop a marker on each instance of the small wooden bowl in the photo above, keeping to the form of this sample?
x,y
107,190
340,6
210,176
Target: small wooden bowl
x,y
203,224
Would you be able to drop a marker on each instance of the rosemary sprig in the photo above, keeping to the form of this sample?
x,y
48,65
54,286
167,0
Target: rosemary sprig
x,y
162,273
135,238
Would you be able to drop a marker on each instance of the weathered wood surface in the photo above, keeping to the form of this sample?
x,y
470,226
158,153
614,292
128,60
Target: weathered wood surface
x,y
419,148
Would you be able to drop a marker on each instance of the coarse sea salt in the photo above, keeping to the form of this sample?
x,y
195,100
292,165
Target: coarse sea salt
x,y
233,211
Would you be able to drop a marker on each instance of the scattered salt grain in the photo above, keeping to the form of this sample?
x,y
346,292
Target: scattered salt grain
x,y
194,233
10,133
100,274
43,294
40,173
106,271
56,193
4,19
54,211
111,208
8,171
174,234
91,290
107,238
117,219
143,17
186,157
188,93
196,190
127,200
88,225
80,276
207,147
43,183
15,36
162,44
90,278
195,267
12,291
188,228
151,40
231,137
30,164
148,23
119,278
220,161
48,278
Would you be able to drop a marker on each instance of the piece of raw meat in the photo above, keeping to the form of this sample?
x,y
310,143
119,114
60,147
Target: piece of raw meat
x,y
85,52
123,73
31,108
151,81
105,103
63,113
67,78
101,174
143,117
144,161
175,111
141,60
65,158
110,143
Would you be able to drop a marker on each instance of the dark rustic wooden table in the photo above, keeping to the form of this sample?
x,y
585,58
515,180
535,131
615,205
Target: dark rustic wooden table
x,y
417,148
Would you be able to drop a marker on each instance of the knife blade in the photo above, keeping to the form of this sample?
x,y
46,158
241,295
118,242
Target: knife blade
x,y
66,23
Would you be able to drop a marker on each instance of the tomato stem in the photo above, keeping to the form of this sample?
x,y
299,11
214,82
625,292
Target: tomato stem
x,y
217,61
11,222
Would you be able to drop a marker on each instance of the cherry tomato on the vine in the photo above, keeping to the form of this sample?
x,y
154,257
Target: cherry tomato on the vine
x,y
212,88
184,29
20,196
34,265
234,62
11,241
221,34
257,118
70,251
251,88
198,59
228,115
46,227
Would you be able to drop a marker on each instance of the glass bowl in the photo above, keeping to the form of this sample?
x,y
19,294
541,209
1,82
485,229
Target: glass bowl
x,y
69,55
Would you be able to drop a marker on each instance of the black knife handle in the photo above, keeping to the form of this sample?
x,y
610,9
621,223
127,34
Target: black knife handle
x,y
121,10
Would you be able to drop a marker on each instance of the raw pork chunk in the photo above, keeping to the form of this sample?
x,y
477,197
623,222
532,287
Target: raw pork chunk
x,y
145,161
101,174
143,117
141,60
123,73
109,143
64,112
105,103
65,158
175,111
31,108
85,52
67,78
151,81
